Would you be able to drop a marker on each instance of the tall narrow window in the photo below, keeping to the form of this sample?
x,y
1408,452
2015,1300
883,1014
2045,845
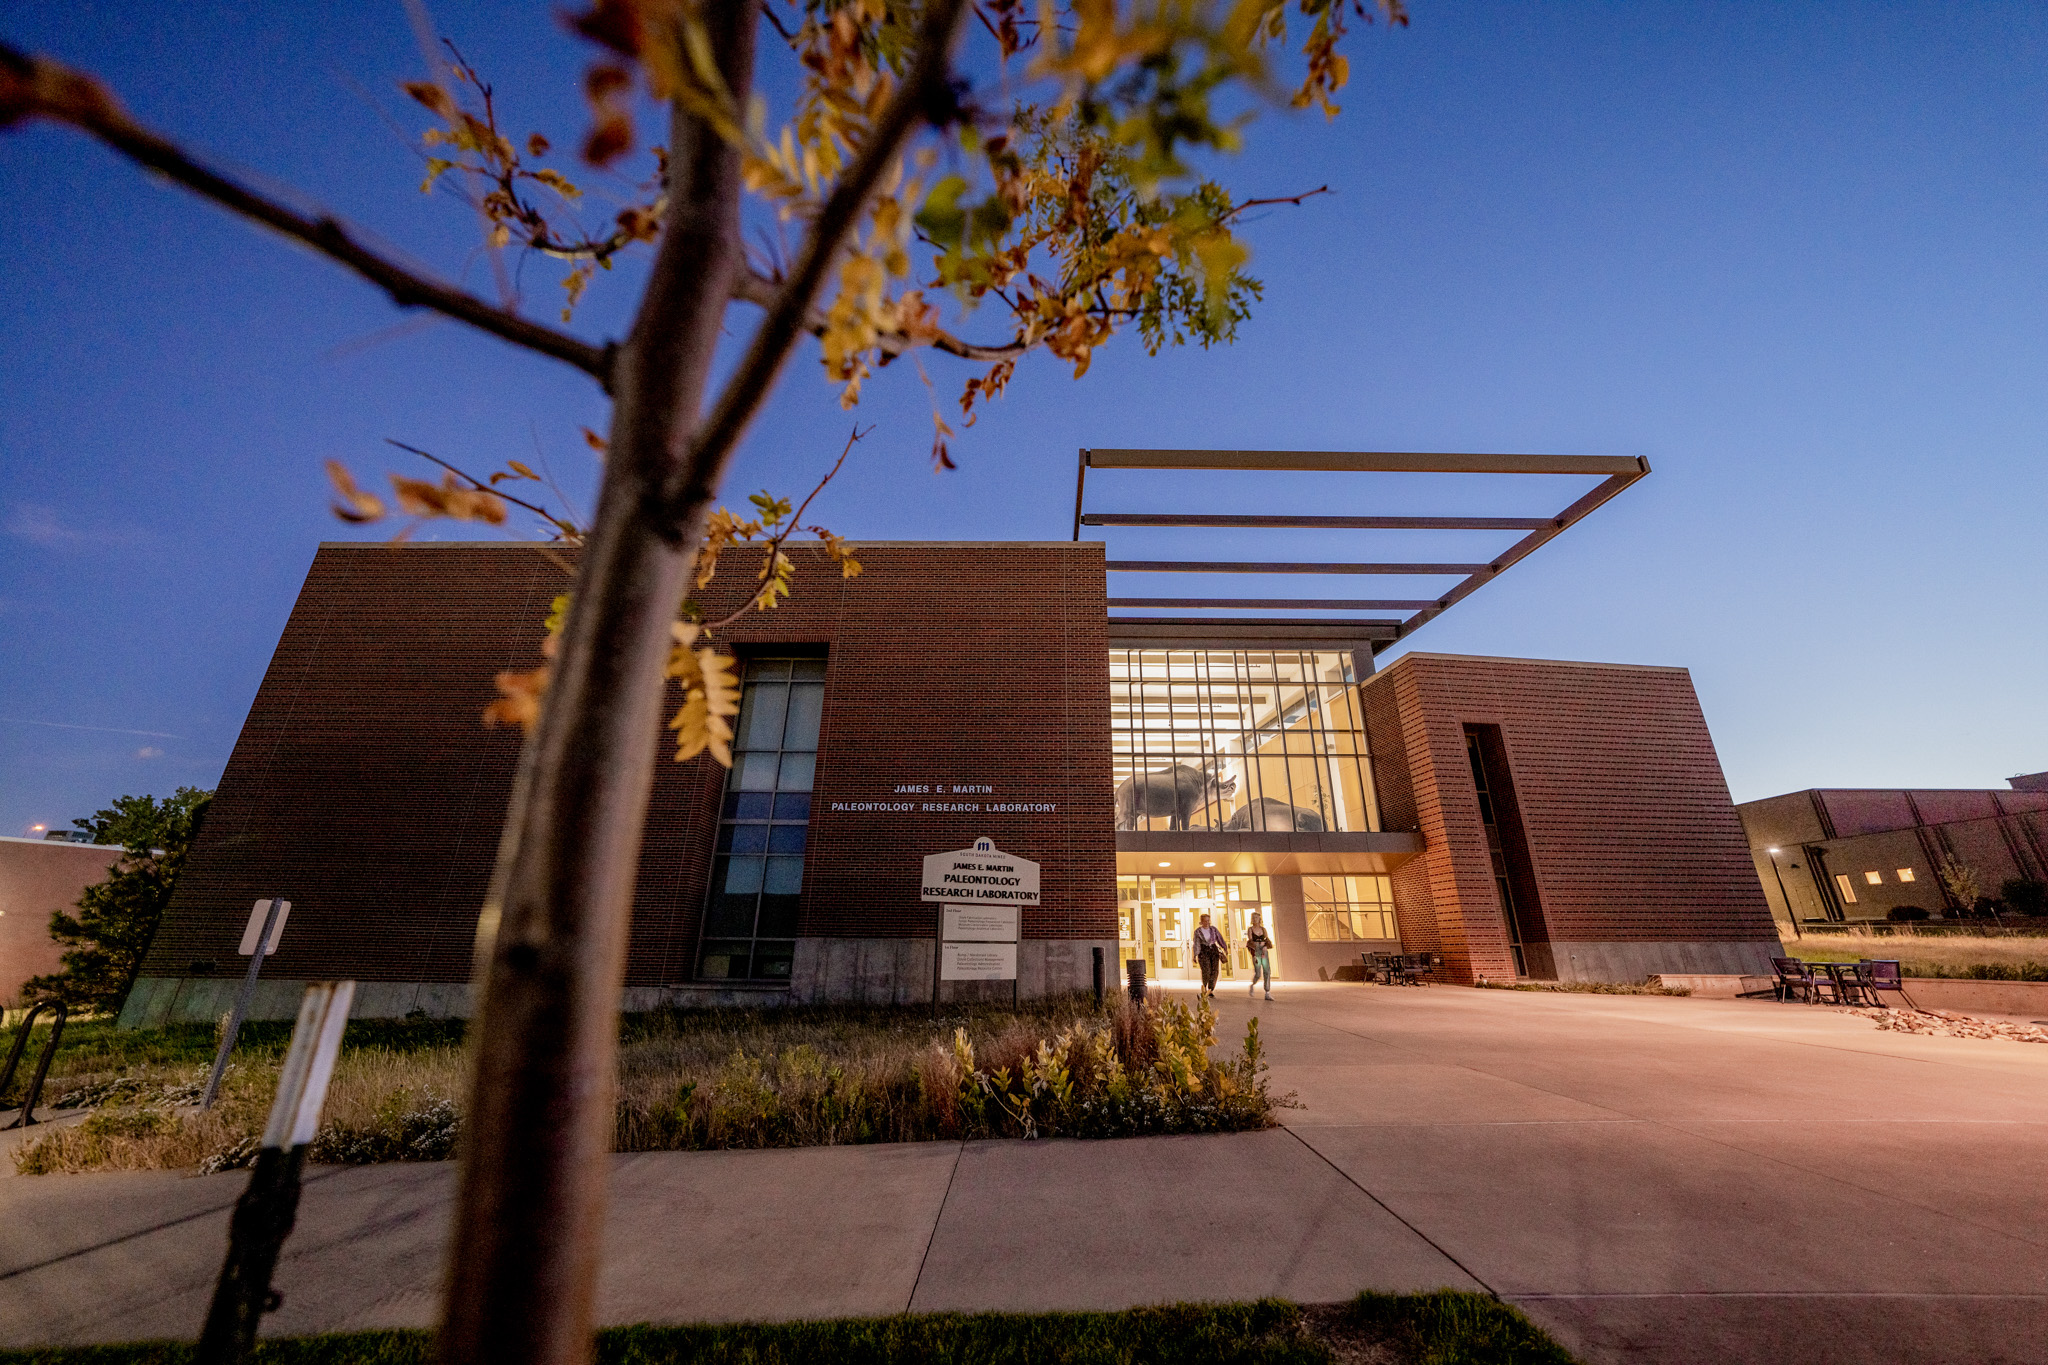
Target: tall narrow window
x,y
757,877
1507,847
1842,885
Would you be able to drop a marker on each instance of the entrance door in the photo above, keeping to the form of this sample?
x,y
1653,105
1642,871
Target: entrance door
x,y
1173,934
1159,915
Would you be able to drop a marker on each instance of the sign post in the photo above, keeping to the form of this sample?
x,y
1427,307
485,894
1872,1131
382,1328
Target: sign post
x,y
265,1213
259,939
981,892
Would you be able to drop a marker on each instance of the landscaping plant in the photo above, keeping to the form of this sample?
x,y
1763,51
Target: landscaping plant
x,y
700,1079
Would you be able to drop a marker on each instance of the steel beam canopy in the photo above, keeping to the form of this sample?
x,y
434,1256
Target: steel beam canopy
x,y
1365,462
1615,472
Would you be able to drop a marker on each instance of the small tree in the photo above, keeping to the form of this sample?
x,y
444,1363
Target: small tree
x,y
1961,882
1049,175
118,917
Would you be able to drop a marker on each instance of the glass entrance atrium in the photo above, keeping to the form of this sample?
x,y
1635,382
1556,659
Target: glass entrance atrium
x,y
1239,741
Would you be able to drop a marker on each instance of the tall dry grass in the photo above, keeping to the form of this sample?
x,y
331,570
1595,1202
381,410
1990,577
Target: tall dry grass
x,y
715,1078
2020,957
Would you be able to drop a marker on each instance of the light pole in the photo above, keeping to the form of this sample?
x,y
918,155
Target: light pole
x,y
1790,913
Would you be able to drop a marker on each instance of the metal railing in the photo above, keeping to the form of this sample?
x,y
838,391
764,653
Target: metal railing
x,y
14,1054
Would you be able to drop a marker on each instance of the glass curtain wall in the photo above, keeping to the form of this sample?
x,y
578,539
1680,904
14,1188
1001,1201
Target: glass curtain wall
x,y
1238,740
757,876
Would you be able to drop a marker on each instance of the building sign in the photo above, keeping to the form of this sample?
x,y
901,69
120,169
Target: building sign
x,y
978,962
982,891
903,798
981,875
981,923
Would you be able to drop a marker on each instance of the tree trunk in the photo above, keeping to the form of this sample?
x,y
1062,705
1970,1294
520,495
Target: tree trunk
x,y
523,1255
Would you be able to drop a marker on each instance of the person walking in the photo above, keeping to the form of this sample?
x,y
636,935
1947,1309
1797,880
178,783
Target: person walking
x,y
1210,947
1260,945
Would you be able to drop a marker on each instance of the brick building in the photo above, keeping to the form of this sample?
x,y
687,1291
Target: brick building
x,y
39,877
1521,817
1518,817
1835,855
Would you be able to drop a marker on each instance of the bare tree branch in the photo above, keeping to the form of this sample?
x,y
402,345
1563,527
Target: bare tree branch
x,y
774,544
1294,199
36,87
926,96
483,487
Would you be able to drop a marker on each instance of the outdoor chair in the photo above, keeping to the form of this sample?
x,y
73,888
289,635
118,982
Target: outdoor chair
x,y
1881,975
1796,979
1854,983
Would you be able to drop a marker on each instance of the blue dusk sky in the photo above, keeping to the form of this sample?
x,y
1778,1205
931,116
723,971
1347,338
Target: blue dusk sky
x,y
1794,255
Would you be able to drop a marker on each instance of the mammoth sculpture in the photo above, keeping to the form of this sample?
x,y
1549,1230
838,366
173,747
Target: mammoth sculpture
x,y
1264,813
1175,792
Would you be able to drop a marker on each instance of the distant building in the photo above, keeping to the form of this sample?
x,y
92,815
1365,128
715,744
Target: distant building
x,y
2029,782
37,878
1843,855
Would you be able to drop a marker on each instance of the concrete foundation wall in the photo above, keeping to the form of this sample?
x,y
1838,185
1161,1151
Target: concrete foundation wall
x,y
898,971
1626,962
869,971
159,1000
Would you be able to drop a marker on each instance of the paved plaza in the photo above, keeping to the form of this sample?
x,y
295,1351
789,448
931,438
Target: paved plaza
x,y
1652,1179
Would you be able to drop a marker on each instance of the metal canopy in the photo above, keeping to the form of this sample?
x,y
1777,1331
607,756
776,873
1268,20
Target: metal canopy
x,y
1616,473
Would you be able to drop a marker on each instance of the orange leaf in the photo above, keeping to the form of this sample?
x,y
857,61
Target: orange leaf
x,y
355,505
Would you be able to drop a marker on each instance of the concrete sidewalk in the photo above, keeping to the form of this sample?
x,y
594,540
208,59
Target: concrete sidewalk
x,y
1653,1179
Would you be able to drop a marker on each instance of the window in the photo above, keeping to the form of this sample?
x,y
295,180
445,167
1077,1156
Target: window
x,y
1905,874
1842,885
1348,909
1249,740
1874,878
757,876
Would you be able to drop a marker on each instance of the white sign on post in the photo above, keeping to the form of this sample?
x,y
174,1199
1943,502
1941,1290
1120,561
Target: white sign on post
x,y
254,930
978,962
984,891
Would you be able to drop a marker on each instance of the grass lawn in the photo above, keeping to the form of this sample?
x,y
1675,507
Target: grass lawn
x,y
686,1080
1999,958
1444,1328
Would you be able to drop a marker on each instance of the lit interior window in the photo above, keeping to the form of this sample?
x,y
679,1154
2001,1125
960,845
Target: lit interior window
x,y
1349,909
1905,874
1842,885
1874,878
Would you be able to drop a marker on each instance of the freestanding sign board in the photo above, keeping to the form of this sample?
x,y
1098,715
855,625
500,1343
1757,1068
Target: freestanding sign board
x,y
982,892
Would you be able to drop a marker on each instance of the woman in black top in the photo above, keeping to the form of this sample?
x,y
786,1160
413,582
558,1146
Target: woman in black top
x,y
1261,949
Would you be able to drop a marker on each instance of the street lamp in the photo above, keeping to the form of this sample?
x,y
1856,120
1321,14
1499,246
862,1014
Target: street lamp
x,y
1790,913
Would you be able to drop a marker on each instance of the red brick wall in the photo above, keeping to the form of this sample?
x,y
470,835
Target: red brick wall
x,y
37,878
365,789
1631,828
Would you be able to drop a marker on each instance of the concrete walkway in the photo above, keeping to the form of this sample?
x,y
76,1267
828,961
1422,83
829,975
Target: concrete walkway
x,y
1653,1179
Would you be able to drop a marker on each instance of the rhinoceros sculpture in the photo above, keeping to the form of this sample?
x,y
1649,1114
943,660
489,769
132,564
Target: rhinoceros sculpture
x,y
1175,792
1264,813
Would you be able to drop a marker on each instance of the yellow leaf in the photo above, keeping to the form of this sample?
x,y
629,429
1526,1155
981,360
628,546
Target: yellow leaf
x,y
711,694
